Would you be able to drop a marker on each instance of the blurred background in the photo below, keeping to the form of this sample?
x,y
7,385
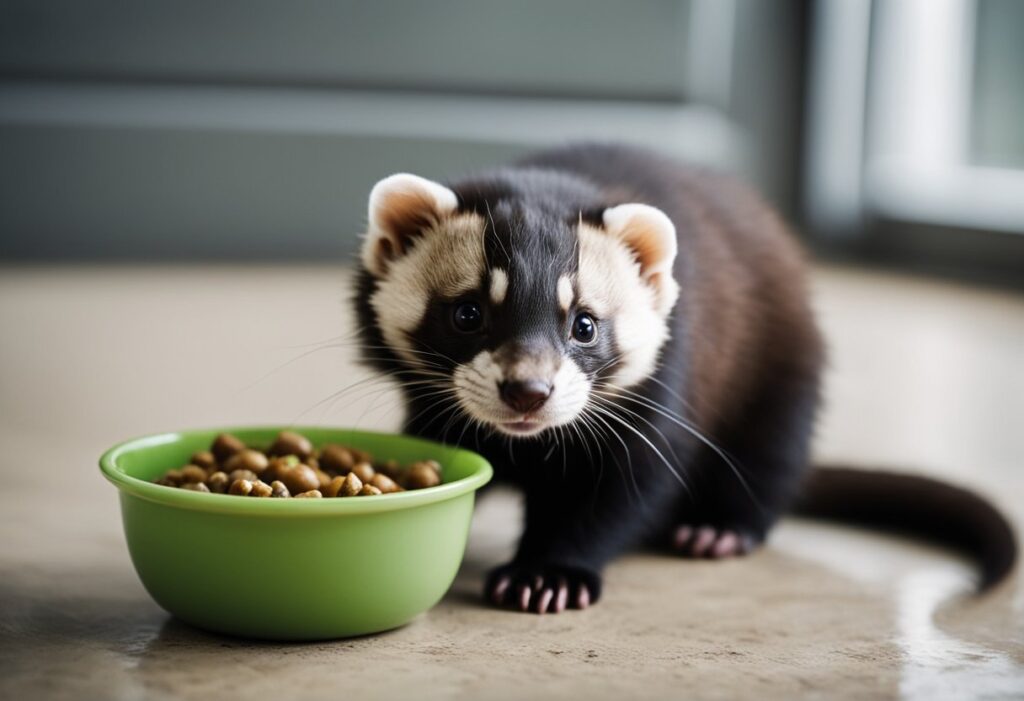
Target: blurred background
x,y
888,131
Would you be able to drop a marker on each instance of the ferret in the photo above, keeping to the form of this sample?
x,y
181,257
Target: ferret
x,y
629,340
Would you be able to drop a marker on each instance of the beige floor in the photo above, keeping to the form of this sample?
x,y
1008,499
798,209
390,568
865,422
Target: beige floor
x,y
924,375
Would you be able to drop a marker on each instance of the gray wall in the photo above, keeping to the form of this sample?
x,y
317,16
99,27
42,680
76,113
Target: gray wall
x,y
174,130
603,48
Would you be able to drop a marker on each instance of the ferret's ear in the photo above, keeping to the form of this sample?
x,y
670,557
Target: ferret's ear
x,y
401,207
651,236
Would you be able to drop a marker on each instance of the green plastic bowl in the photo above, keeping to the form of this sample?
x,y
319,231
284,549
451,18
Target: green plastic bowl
x,y
294,569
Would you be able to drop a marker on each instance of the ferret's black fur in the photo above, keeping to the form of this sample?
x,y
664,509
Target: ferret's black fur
x,y
742,368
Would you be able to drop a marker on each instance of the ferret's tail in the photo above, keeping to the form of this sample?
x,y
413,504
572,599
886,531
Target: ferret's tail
x,y
918,506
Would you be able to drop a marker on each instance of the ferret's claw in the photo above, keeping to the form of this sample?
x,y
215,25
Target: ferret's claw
x,y
713,542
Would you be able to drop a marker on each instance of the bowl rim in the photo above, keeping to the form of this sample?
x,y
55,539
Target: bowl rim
x,y
232,504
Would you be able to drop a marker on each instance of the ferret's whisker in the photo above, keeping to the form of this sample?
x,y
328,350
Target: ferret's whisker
x,y
412,421
332,395
674,417
639,434
714,447
653,427
352,334
625,449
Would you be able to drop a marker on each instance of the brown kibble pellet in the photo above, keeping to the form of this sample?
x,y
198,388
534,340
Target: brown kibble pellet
x,y
172,478
384,483
193,473
311,494
312,461
248,475
240,487
421,475
351,486
369,490
391,468
276,465
336,458
291,443
333,487
218,482
325,479
248,459
205,460
363,470
278,490
195,487
225,445
298,478
261,489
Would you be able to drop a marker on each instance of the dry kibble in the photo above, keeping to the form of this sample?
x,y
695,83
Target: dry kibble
x,y
261,489
361,455
248,459
248,475
363,470
276,465
298,478
193,473
205,460
385,484
391,468
422,475
291,443
172,478
240,487
218,482
351,486
292,466
224,446
333,487
336,458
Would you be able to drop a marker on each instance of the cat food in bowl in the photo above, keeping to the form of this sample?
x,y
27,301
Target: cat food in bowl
x,y
346,557
292,466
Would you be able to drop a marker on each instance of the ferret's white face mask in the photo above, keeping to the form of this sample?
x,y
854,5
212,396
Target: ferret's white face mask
x,y
521,321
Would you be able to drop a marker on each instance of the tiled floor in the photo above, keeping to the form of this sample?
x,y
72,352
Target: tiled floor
x,y
924,375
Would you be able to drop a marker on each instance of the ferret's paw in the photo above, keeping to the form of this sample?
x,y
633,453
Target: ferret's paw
x,y
542,588
715,542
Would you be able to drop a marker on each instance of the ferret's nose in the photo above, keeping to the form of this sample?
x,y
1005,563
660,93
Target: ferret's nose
x,y
525,395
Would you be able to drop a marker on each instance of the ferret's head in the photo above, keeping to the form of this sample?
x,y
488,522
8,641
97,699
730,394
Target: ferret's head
x,y
513,311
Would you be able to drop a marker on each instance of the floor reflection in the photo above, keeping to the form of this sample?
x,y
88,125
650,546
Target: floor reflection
x,y
939,665
936,665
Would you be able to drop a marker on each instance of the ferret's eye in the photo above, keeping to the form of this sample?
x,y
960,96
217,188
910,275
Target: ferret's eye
x,y
584,328
467,317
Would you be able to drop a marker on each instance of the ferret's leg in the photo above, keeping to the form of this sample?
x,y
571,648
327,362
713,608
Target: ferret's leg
x,y
731,507
572,530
